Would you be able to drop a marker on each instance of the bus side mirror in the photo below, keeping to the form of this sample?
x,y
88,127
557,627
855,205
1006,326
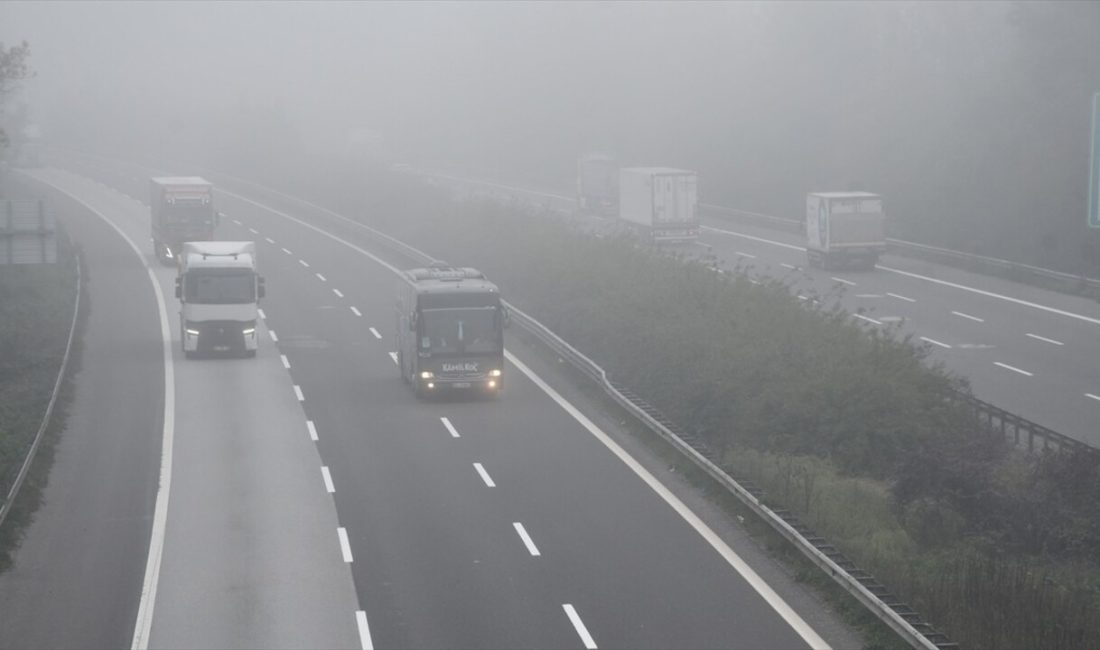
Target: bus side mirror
x,y
179,288
261,287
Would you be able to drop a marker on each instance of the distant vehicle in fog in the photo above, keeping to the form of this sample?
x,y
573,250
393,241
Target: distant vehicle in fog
x,y
450,330
660,203
181,210
219,291
598,184
844,229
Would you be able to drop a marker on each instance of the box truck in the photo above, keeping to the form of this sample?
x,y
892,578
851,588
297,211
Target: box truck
x,y
660,202
844,229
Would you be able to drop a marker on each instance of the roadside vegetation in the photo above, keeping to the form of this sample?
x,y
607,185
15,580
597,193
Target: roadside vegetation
x,y
845,425
36,311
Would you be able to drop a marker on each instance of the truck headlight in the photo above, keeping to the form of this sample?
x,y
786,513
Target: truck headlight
x,y
192,332
427,374
494,372
249,331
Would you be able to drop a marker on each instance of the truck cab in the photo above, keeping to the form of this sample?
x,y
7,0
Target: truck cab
x,y
219,290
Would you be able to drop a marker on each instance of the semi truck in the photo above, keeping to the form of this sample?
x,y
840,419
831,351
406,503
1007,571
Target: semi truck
x,y
660,202
181,210
219,290
598,184
844,229
450,330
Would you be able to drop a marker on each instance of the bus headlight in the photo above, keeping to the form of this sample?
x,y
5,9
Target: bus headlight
x,y
494,372
427,374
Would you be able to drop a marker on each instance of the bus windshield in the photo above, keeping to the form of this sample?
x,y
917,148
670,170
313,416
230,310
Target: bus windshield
x,y
462,330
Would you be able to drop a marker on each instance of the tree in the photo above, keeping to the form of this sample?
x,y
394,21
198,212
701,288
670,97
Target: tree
x,y
13,69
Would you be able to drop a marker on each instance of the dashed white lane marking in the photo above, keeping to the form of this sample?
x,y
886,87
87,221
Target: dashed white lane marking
x,y
445,421
968,316
326,476
1013,369
787,266
237,221
345,546
527,541
484,475
287,251
393,355
1091,396
906,299
1045,339
364,630
298,393
891,319
843,281
271,333
356,311
304,263
868,295
286,362
739,253
263,316
935,342
269,240
869,320
802,297
339,294
312,430
754,281
320,277
376,334
253,231
578,624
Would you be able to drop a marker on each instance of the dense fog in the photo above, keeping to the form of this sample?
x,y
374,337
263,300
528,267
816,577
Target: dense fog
x,y
972,119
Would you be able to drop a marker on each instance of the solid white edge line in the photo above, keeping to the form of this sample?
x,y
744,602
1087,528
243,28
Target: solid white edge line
x,y
527,541
1045,339
843,281
787,266
376,334
750,576
447,423
935,342
774,600
312,430
286,362
868,295
1091,396
906,299
326,476
338,293
868,319
751,257
274,338
345,545
751,238
968,317
143,624
356,311
1013,369
484,475
578,625
298,393
320,277
364,630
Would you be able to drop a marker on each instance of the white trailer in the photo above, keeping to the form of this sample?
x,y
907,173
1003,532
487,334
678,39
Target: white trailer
x,y
219,290
660,202
844,229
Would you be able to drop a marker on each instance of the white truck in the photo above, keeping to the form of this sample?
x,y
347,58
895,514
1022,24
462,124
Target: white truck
x,y
219,290
844,229
660,202
598,184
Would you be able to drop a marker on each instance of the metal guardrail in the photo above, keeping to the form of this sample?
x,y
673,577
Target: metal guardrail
x,y
27,232
6,506
899,616
1024,434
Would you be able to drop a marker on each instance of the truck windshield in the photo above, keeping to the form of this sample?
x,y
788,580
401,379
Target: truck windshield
x,y
220,286
467,330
